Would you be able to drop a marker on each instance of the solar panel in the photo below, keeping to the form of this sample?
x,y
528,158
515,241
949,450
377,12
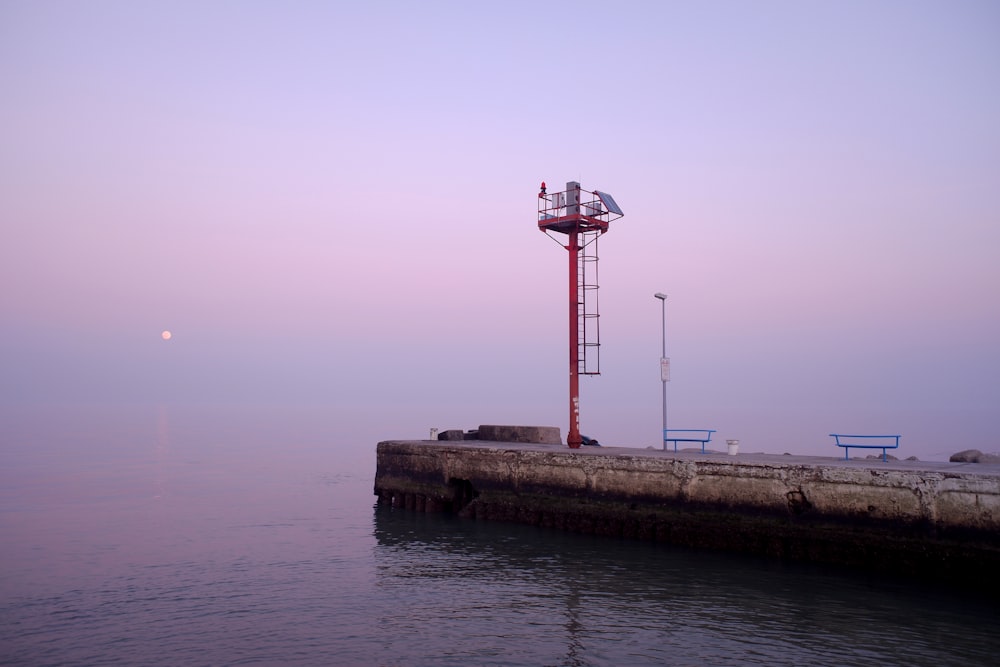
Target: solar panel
x,y
609,202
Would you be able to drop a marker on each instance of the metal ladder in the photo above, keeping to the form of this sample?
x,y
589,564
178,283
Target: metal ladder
x,y
588,321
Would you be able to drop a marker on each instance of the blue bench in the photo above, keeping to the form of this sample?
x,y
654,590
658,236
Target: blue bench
x,y
862,442
702,435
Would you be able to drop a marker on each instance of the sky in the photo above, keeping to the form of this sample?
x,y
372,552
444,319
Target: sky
x,y
334,205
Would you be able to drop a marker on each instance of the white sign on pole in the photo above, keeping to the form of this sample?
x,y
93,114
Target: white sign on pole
x,y
665,369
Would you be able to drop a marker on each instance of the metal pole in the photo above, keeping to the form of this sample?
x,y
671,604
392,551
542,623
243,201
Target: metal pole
x,y
663,357
573,438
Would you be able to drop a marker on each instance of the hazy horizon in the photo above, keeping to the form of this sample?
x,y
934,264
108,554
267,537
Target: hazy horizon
x,y
333,205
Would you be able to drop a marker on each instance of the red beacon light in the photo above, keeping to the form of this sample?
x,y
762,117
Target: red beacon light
x,y
583,216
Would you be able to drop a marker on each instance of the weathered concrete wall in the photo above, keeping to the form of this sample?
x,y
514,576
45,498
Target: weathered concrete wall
x,y
908,517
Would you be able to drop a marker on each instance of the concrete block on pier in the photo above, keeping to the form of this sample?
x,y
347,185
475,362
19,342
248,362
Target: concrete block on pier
x,y
542,435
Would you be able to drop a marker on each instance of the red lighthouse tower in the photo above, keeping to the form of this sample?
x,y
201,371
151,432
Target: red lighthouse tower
x,y
581,215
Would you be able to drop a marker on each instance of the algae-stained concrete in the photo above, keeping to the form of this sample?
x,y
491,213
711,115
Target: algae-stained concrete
x,y
901,516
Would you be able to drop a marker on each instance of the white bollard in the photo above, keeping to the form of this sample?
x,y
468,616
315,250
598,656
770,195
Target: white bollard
x,y
434,434
734,447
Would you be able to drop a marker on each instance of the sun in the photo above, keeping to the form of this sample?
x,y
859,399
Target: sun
x,y
166,335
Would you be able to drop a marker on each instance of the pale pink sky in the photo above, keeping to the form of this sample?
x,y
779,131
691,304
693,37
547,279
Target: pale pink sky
x,y
332,204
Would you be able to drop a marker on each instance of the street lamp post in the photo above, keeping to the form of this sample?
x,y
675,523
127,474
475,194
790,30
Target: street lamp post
x,y
664,363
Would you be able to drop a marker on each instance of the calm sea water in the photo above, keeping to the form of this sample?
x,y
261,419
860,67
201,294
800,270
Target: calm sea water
x,y
169,536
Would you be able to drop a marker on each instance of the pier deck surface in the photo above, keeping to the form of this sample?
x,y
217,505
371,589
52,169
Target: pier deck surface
x,y
834,460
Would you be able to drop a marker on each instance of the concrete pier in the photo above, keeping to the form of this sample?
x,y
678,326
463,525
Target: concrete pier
x,y
907,517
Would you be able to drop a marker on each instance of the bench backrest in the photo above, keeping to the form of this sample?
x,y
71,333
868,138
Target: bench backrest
x,y
683,432
874,441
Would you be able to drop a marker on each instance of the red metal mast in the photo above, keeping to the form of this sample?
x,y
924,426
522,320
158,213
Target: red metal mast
x,y
574,439
583,216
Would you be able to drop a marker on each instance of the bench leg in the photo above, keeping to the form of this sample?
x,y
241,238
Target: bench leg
x,y
847,453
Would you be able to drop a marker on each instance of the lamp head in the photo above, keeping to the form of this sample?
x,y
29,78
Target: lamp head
x,y
661,296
